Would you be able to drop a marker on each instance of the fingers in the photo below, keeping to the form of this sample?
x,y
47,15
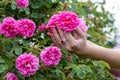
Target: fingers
x,y
79,32
61,34
55,37
69,37
58,35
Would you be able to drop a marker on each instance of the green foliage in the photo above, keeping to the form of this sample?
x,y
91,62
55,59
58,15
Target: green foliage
x,y
40,11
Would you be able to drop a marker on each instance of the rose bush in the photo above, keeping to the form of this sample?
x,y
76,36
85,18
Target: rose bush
x,y
25,51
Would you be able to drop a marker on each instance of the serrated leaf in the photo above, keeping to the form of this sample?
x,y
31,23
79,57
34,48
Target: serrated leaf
x,y
27,11
95,63
2,60
81,72
13,5
10,54
70,66
18,51
84,71
2,68
105,64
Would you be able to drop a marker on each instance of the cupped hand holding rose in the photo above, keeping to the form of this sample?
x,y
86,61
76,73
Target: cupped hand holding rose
x,y
61,28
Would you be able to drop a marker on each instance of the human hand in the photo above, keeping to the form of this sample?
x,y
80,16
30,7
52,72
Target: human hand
x,y
68,41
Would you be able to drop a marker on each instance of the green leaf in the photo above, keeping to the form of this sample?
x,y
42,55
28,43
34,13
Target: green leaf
x,y
10,54
9,47
41,15
64,51
84,71
8,62
2,68
34,14
59,73
72,73
70,66
13,5
18,51
27,11
81,72
105,64
101,64
95,63
37,5
2,60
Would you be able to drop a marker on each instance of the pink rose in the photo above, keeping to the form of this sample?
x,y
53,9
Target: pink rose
x,y
42,27
22,3
54,21
9,27
11,76
27,64
83,26
68,21
26,27
0,29
51,56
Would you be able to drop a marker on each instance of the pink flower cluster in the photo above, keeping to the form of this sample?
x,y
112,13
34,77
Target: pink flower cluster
x,y
22,3
67,21
27,64
11,27
11,76
51,56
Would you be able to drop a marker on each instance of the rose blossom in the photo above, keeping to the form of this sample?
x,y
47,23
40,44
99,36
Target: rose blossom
x,y
0,29
42,27
53,22
26,27
9,27
51,56
11,76
83,26
27,64
67,21
22,3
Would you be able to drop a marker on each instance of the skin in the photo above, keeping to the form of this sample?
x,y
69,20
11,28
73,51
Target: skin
x,y
84,48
